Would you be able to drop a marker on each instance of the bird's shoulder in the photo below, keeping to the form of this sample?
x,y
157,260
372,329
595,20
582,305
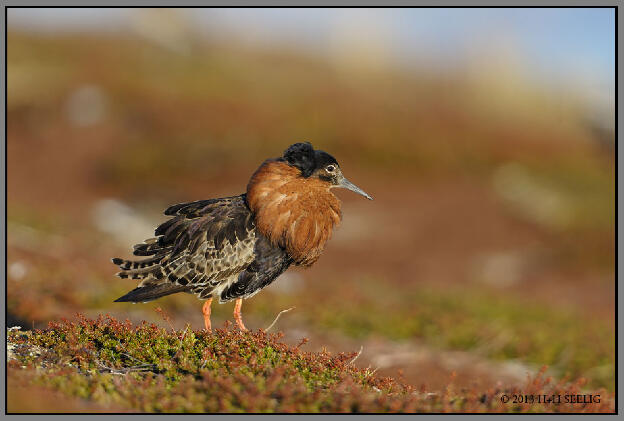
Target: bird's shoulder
x,y
219,222
223,205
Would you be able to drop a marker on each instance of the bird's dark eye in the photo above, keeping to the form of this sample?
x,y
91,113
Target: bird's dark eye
x,y
330,168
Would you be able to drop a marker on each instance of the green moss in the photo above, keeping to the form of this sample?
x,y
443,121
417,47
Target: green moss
x,y
150,369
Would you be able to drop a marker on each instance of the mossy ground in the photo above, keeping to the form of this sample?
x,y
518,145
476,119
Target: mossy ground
x,y
145,368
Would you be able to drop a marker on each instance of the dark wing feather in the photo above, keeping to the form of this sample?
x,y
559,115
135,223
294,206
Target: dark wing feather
x,y
202,246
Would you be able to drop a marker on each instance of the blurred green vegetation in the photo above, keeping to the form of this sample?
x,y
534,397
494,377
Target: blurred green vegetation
x,y
488,324
194,117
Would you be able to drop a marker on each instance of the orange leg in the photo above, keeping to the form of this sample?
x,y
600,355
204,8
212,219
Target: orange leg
x,y
237,314
206,311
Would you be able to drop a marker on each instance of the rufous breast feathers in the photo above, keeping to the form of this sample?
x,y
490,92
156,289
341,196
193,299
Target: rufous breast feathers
x,y
293,212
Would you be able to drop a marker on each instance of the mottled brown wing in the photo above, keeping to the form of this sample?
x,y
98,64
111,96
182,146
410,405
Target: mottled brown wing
x,y
203,246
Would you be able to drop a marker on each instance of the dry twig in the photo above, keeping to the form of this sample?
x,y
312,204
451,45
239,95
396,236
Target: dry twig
x,y
358,354
277,317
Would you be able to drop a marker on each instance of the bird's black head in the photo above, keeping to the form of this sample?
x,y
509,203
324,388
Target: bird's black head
x,y
306,159
318,164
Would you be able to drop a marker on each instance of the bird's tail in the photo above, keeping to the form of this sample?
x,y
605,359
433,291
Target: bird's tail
x,y
138,269
151,292
157,276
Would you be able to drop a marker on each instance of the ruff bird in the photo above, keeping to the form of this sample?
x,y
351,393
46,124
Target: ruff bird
x,y
232,247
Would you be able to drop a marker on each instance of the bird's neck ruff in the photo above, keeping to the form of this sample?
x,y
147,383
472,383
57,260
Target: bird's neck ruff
x,y
293,212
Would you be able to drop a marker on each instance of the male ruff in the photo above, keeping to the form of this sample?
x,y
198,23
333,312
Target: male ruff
x,y
230,248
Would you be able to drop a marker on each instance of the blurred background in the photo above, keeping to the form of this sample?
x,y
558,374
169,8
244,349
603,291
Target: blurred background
x,y
486,137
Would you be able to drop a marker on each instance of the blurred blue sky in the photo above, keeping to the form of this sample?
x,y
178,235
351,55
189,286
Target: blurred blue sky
x,y
554,38
553,44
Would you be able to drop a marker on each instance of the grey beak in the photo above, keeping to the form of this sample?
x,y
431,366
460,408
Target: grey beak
x,y
344,183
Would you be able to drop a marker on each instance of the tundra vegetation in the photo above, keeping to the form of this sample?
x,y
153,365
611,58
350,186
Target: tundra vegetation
x,y
484,266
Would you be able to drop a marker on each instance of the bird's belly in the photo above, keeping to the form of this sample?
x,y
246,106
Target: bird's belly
x,y
216,293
